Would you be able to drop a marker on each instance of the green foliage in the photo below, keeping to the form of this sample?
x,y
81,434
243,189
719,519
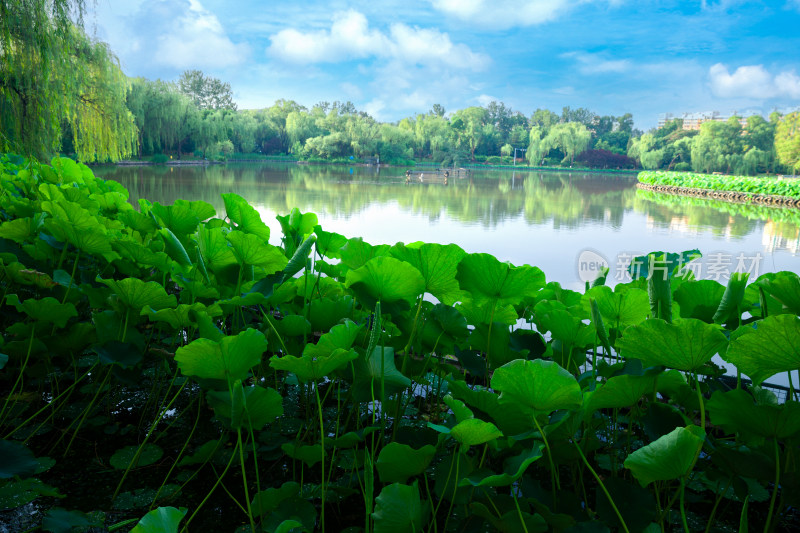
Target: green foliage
x,y
770,186
179,358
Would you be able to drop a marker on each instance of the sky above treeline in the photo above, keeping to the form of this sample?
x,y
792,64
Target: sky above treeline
x,y
396,58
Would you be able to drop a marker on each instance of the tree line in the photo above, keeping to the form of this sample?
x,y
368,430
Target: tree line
x,y
61,91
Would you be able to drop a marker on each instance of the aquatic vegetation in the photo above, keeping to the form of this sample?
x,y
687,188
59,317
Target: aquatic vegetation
x,y
168,368
742,184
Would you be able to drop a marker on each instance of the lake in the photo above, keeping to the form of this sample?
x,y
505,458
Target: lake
x,y
562,222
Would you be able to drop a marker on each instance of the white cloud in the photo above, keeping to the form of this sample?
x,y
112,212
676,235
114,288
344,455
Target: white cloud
x,y
485,99
753,81
596,64
508,13
350,37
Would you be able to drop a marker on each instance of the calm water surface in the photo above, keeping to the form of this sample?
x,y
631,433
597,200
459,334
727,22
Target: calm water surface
x,y
546,219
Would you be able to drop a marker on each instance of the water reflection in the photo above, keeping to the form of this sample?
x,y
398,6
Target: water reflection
x,y
539,218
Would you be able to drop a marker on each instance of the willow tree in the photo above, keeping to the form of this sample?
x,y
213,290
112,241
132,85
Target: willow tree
x,y
787,141
53,78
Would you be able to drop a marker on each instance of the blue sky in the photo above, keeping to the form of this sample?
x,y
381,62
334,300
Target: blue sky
x,y
397,58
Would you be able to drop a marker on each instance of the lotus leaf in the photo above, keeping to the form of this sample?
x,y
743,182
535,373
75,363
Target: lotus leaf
x,y
325,313
259,406
174,247
229,359
202,454
686,345
386,279
124,354
700,299
297,223
459,408
142,254
160,520
214,247
136,294
181,316
269,500
772,347
313,367
509,522
476,314
489,280
540,385
329,244
511,418
732,304
251,250
60,520
245,216
339,337
17,493
47,310
438,265
21,229
784,287
150,453
398,509
183,217
375,369
622,308
667,458
16,460
398,462
736,412
356,253
310,455
513,468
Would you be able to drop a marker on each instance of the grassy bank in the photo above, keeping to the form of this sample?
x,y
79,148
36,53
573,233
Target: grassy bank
x,y
737,184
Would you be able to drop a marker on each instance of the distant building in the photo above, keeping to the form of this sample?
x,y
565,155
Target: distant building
x,y
692,121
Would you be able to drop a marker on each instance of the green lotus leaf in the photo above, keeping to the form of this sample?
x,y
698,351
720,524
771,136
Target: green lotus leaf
x,y
174,247
251,250
136,293
214,247
473,431
540,385
229,359
736,412
137,221
489,280
495,343
310,455
619,309
90,240
60,520
245,216
16,460
47,310
269,500
438,265
772,347
150,453
19,273
513,468
325,313
3,360
376,369
124,354
142,254
398,462
667,458
699,299
356,253
732,304
459,408
181,316
784,287
659,263
15,494
330,243
293,326
352,438
313,367
386,279
297,223
487,312
398,509
686,345
339,337
183,217
511,418
64,213
563,325
111,202
202,454
626,390
160,520
21,229
259,406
